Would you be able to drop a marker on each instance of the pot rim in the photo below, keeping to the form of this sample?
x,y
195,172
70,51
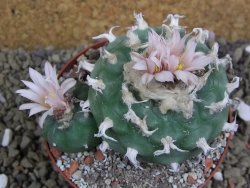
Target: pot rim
x,y
70,64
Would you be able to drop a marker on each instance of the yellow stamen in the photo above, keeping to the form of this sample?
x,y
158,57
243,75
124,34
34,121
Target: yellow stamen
x,y
156,69
180,66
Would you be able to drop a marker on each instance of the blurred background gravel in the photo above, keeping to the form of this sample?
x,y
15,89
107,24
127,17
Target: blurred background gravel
x,y
25,161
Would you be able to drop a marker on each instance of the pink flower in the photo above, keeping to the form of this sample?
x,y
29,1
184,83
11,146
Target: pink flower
x,y
184,65
45,92
165,58
154,61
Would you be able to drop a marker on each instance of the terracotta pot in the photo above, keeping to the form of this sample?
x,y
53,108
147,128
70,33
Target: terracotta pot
x,y
53,155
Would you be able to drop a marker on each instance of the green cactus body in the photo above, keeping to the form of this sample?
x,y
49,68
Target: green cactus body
x,y
184,131
79,134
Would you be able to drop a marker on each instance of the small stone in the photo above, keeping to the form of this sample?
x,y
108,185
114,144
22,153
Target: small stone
x,y
2,98
247,49
26,163
43,171
3,181
191,180
77,175
7,136
115,183
25,142
55,58
107,181
88,160
13,152
232,172
73,167
35,184
208,164
218,176
99,155
237,55
50,183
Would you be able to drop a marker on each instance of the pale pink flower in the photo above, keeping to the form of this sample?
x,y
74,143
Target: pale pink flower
x,y
45,92
154,61
183,66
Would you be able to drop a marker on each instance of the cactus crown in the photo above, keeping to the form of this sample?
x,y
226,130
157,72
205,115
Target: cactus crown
x,y
157,94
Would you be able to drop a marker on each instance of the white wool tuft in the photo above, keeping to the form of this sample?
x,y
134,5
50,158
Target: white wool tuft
x,y
104,146
109,36
85,65
131,154
168,144
202,143
141,24
112,59
141,123
233,85
97,85
106,124
173,20
230,127
218,106
201,34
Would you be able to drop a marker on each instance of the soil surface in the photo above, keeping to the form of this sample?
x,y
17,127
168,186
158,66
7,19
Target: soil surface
x,y
25,161
69,23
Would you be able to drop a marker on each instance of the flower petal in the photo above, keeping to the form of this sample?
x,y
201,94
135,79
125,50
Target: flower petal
x,y
199,63
164,76
146,78
34,87
189,53
50,73
30,95
43,117
186,77
38,79
140,66
37,109
173,62
27,106
67,85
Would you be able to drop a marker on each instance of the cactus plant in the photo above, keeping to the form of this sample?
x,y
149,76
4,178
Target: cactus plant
x,y
163,94
155,94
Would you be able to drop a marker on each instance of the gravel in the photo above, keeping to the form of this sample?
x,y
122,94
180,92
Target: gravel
x,y
24,160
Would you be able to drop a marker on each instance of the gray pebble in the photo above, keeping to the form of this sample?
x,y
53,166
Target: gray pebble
x,y
26,163
55,58
50,183
232,172
35,185
237,55
77,175
25,142
13,152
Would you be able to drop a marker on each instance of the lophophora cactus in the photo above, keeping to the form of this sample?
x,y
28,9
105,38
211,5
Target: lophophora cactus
x,y
155,94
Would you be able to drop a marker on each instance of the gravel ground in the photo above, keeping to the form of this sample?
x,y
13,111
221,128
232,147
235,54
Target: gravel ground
x,y
25,162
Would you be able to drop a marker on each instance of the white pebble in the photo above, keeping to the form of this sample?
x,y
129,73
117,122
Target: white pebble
x,y
3,181
244,111
108,181
77,175
2,99
247,49
7,137
218,176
